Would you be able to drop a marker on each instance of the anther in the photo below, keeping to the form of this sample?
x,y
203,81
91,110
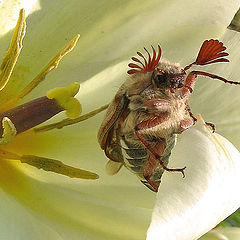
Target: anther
x,y
9,131
64,97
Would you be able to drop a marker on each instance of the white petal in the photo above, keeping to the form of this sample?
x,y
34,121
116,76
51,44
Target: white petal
x,y
186,208
9,12
91,211
226,233
109,37
25,224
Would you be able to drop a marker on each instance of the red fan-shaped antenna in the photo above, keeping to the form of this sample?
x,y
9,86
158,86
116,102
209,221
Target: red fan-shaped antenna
x,y
211,51
146,66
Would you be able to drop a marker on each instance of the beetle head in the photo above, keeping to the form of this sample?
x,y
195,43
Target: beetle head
x,y
168,75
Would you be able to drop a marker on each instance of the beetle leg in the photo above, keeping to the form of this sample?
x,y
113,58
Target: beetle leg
x,y
157,156
189,83
196,73
185,124
211,125
156,105
152,164
190,80
207,123
153,122
147,124
191,115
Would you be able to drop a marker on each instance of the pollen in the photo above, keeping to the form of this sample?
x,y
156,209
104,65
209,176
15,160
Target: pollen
x,y
64,97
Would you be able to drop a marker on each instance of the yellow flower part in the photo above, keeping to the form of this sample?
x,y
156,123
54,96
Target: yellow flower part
x,y
65,98
9,131
16,120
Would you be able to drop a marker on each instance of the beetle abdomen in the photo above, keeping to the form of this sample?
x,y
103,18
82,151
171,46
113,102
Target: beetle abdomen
x,y
138,160
134,158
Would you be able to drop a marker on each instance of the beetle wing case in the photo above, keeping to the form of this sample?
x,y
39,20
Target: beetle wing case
x,y
113,113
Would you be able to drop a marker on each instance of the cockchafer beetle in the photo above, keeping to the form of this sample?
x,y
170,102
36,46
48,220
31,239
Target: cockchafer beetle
x,y
149,110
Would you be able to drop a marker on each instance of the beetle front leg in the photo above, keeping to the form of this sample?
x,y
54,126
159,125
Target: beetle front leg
x,y
191,115
189,83
185,124
156,105
191,78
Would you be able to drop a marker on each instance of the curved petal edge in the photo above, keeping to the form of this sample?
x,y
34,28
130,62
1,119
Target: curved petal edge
x,y
186,208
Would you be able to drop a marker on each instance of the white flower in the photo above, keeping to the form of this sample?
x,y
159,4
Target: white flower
x,y
41,205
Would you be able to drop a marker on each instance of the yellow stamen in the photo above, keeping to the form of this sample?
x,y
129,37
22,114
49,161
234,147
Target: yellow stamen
x,y
48,164
13,52
9,131
56,166
53,64
67,122
64,97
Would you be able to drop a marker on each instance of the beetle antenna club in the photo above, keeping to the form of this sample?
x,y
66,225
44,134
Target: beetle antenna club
x,y
148,66
211,51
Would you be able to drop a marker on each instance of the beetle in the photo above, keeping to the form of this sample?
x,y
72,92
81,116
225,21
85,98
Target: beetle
x,y
150,109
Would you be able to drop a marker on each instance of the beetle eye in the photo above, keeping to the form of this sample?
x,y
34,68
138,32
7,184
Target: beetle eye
x,y
159,80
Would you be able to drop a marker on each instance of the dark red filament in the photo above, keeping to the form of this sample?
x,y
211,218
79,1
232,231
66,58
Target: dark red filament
x,y
31,113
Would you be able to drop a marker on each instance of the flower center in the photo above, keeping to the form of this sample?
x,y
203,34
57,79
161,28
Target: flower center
x,y
17,119
37,111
